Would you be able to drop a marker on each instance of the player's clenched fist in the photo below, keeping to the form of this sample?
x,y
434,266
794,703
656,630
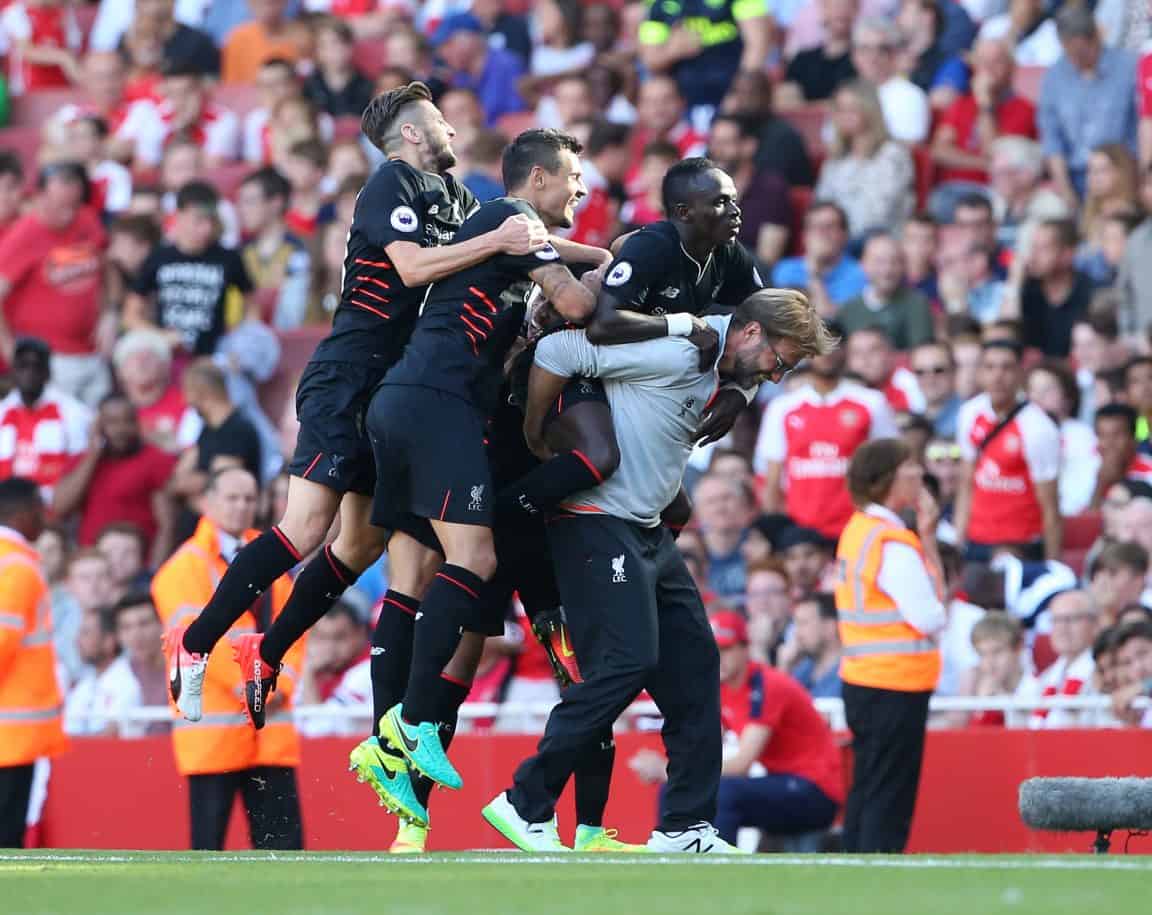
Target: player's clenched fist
x,y
521,234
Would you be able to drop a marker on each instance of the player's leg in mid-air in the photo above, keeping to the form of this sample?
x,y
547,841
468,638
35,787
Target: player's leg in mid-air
x,y
328,457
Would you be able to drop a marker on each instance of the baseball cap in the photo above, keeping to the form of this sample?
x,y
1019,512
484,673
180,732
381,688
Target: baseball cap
x,y
729,628
457,22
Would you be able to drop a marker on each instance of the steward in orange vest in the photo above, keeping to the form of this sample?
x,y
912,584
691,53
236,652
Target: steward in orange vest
x,y
222,754
30,703
889,607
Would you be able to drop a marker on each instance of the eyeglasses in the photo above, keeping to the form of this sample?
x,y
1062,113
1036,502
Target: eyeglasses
x,y
932,370
782,369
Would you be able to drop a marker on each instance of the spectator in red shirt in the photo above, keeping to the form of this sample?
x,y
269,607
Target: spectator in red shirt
x,y
660,115
605,164
42,38
51,281
962,144
645,204
41,429
143,363
304,167
11,190
337,643
119,478
784,776
100,92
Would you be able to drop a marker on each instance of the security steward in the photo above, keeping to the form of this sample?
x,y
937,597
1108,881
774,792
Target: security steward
x,y
889,607
221,754
30,702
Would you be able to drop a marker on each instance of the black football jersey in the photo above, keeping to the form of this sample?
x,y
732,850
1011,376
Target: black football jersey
x,y
653,274
472,318
377,311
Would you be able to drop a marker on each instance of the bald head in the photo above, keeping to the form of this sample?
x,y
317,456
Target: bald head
x,y
992,61
1074,623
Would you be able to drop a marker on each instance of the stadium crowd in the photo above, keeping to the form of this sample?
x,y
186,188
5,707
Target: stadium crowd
x,y
962,189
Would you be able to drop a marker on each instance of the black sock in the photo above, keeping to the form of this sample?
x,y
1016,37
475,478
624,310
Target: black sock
x,y
253,570
452,600
593,778
317,587
546,486
391,659
450,696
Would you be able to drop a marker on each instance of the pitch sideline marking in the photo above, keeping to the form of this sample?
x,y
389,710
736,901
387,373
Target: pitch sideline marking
x,y
896,863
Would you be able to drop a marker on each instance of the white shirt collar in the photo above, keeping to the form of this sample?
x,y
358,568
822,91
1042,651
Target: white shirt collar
x,y
229,545
10,533
879,511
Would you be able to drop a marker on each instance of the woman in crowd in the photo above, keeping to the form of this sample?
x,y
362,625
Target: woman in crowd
x,y
867,173
1052,387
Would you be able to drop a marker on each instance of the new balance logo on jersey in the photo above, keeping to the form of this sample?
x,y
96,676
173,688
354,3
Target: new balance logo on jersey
x,y
524,503
618,576
477,499
670,293
687,405
377,650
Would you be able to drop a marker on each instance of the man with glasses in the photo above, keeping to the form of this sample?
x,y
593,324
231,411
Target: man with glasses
x,y
806,439
935,373
1074,621
876,47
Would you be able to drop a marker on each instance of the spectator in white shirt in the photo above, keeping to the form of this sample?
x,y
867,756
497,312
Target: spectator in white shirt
x,y
1074,624
84,708
1134,673
876,42
138,678
183,107
1117,579
87,588
998,640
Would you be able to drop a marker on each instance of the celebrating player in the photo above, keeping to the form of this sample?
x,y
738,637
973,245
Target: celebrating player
x,y
405,215
665,276
636,618
427,426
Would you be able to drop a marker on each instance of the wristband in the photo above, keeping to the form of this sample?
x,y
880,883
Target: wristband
x,y
679,325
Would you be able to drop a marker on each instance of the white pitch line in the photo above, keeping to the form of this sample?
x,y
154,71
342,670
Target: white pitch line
x,y
908,862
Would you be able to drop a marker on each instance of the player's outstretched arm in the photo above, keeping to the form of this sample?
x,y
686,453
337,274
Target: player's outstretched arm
x,y
517,235
573,252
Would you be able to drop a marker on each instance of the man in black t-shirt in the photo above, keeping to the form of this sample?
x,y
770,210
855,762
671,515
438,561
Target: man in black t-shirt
x,y
427,425
815,73
190,287
398,244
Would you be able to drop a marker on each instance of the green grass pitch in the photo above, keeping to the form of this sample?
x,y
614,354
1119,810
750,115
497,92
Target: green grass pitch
x,y
156,883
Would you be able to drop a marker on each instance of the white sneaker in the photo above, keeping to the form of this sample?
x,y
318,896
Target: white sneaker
x,y
524,835
185,675
701,839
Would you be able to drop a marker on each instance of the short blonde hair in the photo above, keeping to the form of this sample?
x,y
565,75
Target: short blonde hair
x,y
141,341
787,314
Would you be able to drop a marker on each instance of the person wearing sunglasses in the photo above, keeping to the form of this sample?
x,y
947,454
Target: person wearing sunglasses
x,y
935,372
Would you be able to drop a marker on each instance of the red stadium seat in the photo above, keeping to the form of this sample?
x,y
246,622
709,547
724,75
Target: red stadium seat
x,y
346,128
227,178
371,56
1081,531
25,142
239,99
513,124
800,199
809,121
1028,80
925,173
34,108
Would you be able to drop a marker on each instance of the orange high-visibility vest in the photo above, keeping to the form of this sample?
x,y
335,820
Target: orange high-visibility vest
x,y
30,701
880,648
223,740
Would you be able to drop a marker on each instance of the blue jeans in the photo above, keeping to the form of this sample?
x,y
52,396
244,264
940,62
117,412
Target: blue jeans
x,y
778,805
